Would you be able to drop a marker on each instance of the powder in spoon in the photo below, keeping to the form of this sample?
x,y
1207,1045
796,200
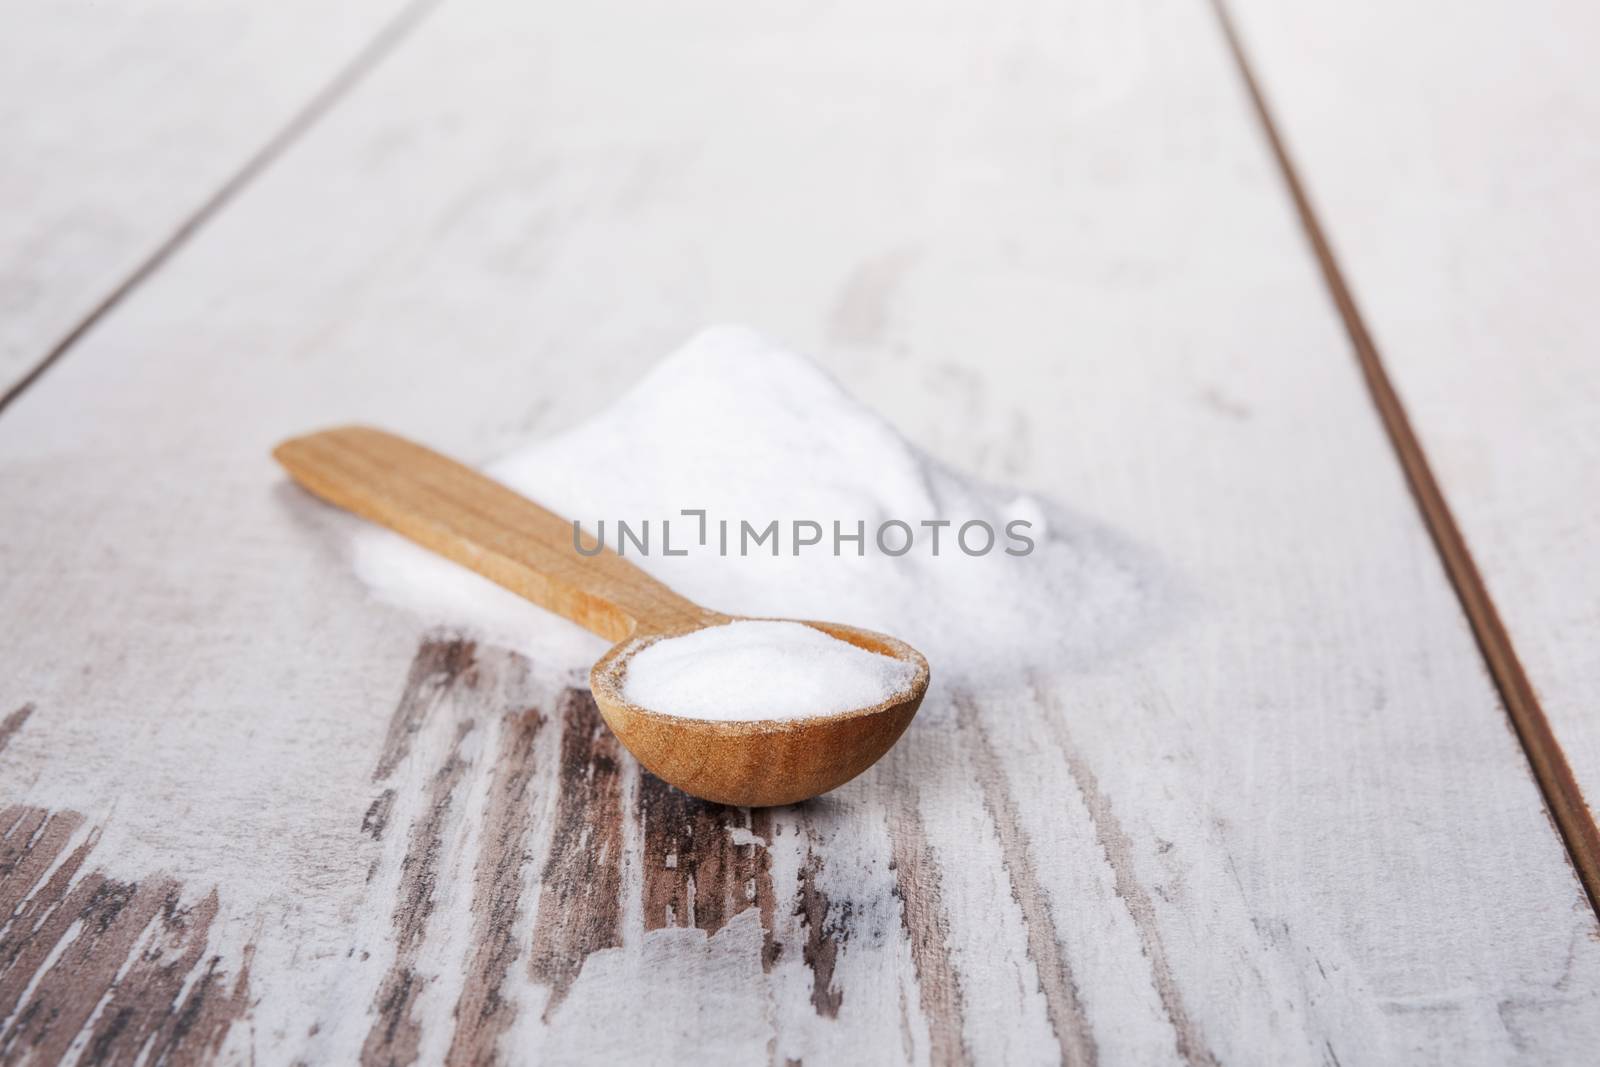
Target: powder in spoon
x,y
759,669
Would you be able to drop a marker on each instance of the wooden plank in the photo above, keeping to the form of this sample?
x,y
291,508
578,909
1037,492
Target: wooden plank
x,y
1047,241
1458,214
120,125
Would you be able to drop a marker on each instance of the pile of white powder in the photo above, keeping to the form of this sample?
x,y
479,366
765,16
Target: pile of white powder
x,y
746,431
760,669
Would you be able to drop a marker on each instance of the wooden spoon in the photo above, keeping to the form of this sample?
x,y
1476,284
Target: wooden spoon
x,y
479,523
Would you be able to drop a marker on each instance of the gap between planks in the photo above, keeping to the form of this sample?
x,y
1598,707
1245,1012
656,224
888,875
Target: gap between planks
x,y
345,79
1563,798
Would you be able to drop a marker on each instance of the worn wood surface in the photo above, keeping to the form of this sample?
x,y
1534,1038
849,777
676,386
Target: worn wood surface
x,y
121,125
1457,182
251,815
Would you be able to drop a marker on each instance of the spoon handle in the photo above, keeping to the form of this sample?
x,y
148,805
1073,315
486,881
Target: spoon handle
x,y
477,522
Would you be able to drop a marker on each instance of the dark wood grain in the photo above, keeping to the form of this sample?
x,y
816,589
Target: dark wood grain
x,y
396,1030
151,1013
917,883
126,963
580,899
827,928
439,664
483,1012
696,873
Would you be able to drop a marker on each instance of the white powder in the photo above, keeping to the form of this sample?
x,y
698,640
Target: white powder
x,y
747,431
761,669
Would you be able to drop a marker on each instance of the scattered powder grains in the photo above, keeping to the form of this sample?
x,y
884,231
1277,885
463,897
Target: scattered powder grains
x,y
745,431
760,669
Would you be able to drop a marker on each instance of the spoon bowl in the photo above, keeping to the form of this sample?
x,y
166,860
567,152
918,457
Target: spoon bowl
x,y
759,762
486,527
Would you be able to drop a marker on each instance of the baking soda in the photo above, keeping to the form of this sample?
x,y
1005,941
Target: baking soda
x,y
738,428
760,669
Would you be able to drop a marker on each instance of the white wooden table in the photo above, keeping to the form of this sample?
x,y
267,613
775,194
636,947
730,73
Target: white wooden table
x,y
1331,815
